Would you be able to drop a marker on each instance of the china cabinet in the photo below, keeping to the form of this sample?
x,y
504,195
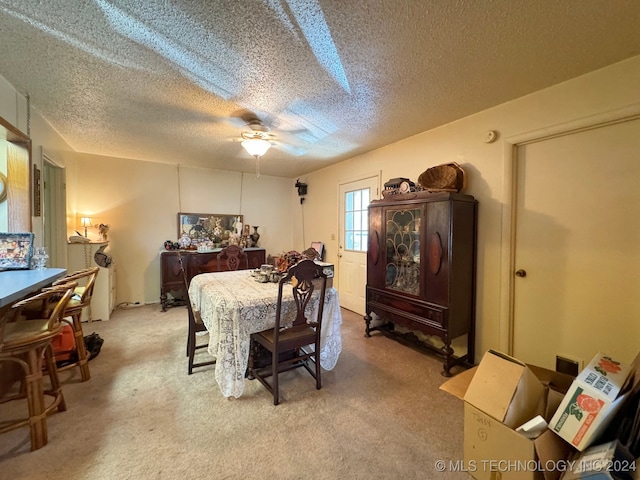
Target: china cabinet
x,y
171,286
421,272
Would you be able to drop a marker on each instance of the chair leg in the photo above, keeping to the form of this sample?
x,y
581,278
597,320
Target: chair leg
x,y
316,359
83,360
192,350
56,388
191,342
35,399
190,330
274,381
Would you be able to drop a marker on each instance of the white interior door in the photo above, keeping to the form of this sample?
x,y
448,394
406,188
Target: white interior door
x,y
54,211
577,246
353,241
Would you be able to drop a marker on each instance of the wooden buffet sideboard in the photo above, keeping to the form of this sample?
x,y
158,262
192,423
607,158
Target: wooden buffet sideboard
x,y
172,292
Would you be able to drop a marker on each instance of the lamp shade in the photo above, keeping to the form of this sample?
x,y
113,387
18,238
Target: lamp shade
x,y
256,147
85,222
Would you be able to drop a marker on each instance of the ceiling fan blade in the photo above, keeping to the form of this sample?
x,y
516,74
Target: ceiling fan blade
x,y
250,119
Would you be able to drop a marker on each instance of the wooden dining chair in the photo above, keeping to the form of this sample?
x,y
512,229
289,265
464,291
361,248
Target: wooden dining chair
x,y
195,325
80,300
232,258
25,344
298,337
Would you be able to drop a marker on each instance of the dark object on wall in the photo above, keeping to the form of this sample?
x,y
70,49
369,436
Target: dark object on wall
x,y
37,192
302,188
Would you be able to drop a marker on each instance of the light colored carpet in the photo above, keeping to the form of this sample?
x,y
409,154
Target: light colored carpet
x,y
379,414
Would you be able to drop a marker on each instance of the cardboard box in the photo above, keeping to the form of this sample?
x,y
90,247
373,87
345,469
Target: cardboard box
x,y
327,268
492,450
501,394
608,461
592,400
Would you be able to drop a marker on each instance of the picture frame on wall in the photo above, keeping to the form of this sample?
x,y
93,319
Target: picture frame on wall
x,y
16,250
202,227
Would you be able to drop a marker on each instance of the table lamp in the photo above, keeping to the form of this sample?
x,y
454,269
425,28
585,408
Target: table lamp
x,y
85,222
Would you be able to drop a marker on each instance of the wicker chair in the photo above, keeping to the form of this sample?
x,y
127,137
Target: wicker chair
x,y
298,337
79,301
23,344
195,326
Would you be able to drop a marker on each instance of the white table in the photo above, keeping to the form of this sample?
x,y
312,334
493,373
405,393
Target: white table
x,y
233,305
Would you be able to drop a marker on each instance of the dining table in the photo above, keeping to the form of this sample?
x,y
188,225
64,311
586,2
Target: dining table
x,y
235,304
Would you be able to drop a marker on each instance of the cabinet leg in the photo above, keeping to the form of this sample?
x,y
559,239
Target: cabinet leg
x,y
367,330
448,352
163,301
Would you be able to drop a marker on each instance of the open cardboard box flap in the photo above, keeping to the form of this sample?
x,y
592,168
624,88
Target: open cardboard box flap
x,y
457,385
506,389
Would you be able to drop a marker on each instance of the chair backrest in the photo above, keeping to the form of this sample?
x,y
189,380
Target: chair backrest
x,y
311,254
234,256
303,277
183,273
90,274
51,301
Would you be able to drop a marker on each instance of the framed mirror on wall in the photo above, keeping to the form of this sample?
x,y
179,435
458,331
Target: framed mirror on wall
x,y
214,227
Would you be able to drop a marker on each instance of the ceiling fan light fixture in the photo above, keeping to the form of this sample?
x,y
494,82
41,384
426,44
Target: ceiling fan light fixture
x,y
256,147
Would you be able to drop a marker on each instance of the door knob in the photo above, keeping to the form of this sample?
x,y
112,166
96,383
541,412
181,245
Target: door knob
x,y
521,273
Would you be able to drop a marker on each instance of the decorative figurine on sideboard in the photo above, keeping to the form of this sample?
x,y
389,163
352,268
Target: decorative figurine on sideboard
x,y
103,230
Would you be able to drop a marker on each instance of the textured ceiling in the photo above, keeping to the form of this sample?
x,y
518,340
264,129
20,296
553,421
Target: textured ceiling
x,y
165,81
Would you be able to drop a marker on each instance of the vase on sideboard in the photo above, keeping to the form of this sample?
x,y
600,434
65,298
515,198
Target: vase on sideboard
x,y
255,236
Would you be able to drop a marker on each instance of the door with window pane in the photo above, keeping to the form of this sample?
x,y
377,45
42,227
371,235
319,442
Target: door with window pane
x,y
354,229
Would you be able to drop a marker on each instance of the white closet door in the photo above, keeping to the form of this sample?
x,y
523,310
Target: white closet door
x,y
578,240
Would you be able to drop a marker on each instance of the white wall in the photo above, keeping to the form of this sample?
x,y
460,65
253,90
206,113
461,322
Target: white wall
x,y
141,200
612,88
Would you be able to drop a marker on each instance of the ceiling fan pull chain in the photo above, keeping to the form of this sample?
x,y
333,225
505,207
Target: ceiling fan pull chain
x,y
257,166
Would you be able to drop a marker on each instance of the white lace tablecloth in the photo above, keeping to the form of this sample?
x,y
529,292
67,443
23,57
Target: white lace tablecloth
x,y
233,305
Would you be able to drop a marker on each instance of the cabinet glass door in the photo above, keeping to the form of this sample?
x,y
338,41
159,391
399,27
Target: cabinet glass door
x,y
402,239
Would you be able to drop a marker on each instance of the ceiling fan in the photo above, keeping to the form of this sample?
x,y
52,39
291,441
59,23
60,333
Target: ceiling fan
x,y
259,139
